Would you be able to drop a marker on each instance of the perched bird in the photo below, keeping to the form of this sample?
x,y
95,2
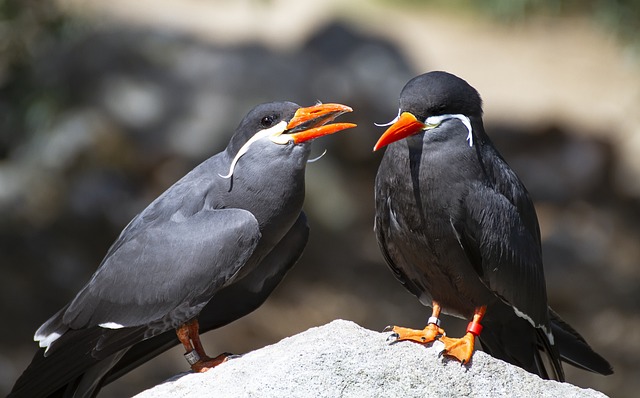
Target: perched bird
x,y
458,228
207,251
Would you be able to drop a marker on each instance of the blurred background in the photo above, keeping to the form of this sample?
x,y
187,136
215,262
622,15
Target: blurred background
x,y
104,104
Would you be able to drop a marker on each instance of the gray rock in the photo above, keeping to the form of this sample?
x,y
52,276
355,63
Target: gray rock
x,y
342,359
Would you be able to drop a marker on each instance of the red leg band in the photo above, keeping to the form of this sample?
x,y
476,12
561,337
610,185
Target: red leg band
x,y
474,328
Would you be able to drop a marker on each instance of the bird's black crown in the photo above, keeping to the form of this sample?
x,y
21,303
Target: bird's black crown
x,y
440,93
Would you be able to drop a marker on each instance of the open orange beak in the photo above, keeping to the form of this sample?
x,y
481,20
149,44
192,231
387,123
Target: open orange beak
x,y
311,122
406,125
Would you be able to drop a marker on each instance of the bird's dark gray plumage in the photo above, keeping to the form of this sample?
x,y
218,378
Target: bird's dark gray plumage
x,y
212,247
459,230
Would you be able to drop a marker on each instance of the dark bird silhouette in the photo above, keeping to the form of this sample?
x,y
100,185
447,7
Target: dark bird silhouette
x,y
207,251
457,227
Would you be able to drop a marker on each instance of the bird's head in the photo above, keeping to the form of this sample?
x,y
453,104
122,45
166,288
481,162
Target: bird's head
x,y
284,124
428,100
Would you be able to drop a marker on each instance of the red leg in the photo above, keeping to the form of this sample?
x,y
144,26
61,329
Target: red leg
x,y
462,348
189,336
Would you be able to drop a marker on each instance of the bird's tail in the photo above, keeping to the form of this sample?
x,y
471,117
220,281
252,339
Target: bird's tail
x,y
520,344
574,349
552,356
53,375
74,368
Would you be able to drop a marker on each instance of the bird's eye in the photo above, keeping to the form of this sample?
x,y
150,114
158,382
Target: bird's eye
x,y
268,121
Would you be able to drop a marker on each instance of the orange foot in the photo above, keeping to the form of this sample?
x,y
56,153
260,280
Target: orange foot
x,y
424,336
461,349
207,363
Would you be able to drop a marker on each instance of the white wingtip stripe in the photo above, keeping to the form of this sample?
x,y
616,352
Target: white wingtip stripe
x,y
528,319
549,335
525,316
46,341
111,325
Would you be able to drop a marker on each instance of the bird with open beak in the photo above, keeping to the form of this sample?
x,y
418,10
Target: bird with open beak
x,y
457,227
207,251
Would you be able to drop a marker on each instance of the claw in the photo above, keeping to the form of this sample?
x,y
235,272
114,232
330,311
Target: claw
x,y
393,337
388,328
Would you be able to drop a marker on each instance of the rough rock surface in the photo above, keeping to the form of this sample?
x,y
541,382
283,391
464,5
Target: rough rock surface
x,y
342,359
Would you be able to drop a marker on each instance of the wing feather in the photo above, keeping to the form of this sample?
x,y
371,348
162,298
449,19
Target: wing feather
x,y
159,268
504,238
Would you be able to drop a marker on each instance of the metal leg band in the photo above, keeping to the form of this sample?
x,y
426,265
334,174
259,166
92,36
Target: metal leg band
x,y
192,357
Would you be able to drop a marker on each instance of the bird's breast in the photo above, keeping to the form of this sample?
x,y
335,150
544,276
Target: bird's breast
x,y
422,190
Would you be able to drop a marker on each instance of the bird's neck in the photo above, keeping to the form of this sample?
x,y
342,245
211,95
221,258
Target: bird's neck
x,y
272,190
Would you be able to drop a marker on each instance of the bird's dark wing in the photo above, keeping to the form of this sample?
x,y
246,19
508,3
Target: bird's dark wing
x,y
184,198
575,350
502,239
383,223
65,367
230,303
165,267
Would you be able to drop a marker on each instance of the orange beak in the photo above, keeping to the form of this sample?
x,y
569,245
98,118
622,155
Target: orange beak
x,y
311,122
406,125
